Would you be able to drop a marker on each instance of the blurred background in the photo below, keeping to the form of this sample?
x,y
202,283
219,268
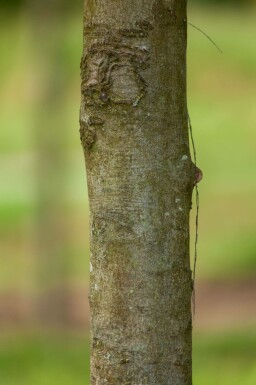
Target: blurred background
x,y
44,251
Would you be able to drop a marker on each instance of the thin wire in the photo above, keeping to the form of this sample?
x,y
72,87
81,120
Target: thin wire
x,y
197,219
207,36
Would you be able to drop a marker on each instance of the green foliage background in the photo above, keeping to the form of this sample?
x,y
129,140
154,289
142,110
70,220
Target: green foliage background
x,y
43,204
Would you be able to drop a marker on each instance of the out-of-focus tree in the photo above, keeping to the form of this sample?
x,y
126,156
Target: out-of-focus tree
x,y
224,2
60,5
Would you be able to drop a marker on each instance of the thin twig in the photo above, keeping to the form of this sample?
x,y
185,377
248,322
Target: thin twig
x,y
197,218
207,36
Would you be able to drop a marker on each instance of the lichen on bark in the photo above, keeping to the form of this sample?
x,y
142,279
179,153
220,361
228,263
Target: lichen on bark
x,y
134,132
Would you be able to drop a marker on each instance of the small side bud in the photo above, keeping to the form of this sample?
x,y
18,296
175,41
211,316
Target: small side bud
x,y
198,175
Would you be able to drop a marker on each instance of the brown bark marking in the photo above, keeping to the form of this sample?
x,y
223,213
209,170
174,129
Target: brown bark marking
x,y
111,73
88,130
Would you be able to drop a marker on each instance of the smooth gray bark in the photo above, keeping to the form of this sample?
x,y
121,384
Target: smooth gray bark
x,y
134,132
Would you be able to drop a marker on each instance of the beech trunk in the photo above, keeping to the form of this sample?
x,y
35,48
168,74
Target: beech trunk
x,y
134,133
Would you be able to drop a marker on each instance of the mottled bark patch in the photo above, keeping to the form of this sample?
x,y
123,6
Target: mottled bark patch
x,y
87,135
88,130
111,73
169,12
142,29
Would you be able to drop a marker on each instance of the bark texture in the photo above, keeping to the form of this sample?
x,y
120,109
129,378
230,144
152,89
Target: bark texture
x,y
134,132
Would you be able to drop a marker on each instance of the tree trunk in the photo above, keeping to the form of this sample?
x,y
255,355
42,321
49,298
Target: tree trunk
x,y
134,132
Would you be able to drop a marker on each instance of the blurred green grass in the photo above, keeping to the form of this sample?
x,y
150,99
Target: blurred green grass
x,y
51,360
224,358
64,359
